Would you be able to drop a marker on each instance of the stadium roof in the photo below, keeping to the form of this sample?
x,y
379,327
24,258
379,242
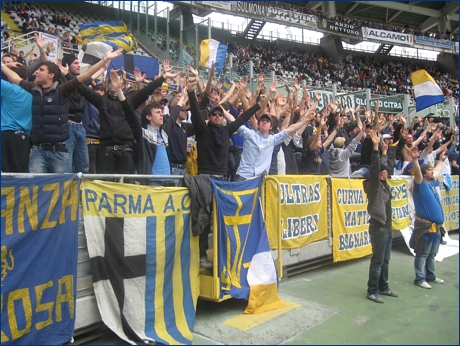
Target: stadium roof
x,y
419,15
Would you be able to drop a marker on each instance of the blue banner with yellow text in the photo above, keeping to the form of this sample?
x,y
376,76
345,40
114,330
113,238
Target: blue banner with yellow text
x,y
241,228
39,220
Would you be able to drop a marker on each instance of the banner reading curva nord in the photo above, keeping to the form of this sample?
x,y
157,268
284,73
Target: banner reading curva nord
x,y
350,220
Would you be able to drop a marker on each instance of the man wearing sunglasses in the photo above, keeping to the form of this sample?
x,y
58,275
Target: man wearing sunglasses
x,y
213,146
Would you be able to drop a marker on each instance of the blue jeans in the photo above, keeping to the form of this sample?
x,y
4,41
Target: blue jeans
x,y
177,171
77,148
381,239
359,173
48,161
424,262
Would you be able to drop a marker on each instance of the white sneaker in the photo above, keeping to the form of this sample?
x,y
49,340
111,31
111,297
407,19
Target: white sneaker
x,y
438,281
423,284
204,263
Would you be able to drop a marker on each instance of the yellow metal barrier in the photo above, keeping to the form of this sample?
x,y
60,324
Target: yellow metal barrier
x,y
210,288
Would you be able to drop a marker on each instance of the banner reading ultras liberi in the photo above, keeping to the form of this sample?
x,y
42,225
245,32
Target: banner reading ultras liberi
x,y
350,220
450,204
303,204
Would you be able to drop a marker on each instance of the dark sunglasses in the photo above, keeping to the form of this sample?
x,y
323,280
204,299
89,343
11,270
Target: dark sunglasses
x,y
163,103
217,113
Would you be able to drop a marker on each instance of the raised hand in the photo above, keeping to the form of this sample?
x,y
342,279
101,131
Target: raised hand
x,y
138,76
375,137
115,79
360,126
248,93
296,85
182,79
64,69
193,71
287,88
184,95
273,87
260,78
113,54
263,101
191,82
244,81
39,41
383,145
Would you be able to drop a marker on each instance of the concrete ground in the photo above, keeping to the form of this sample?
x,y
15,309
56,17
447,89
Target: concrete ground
x,y
329,306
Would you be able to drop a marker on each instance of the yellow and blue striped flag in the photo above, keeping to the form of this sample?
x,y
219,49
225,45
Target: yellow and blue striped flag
x,y
246,266
144,260
212,50
111,31
426,91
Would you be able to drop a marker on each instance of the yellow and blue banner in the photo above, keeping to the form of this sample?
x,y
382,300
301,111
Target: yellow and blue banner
x,y
350,220
39,222
225,83
114,31
426,91
449,200
296,207
246,266
212,50
400,214
144,260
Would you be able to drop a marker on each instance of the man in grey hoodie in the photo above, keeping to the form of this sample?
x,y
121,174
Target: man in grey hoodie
x,y
339,156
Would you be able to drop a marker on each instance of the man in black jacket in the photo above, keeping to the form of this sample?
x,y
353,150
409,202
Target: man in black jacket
x,y
379,208
212,145
76,143
115,136
50,108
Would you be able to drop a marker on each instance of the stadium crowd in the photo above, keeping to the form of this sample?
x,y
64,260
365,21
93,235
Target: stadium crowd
x,y
359,71
332,141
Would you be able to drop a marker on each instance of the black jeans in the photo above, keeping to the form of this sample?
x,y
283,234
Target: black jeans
x,y
15,151
203,242
110,161
93,151
381,239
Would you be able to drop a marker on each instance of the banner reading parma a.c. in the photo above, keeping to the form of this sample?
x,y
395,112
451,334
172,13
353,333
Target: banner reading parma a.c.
x,y
39,259
302,216
144,260
350,220
399,204
450,203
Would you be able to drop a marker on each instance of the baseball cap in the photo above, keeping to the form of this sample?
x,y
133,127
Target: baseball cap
x,y
265,116
338,142
387,136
